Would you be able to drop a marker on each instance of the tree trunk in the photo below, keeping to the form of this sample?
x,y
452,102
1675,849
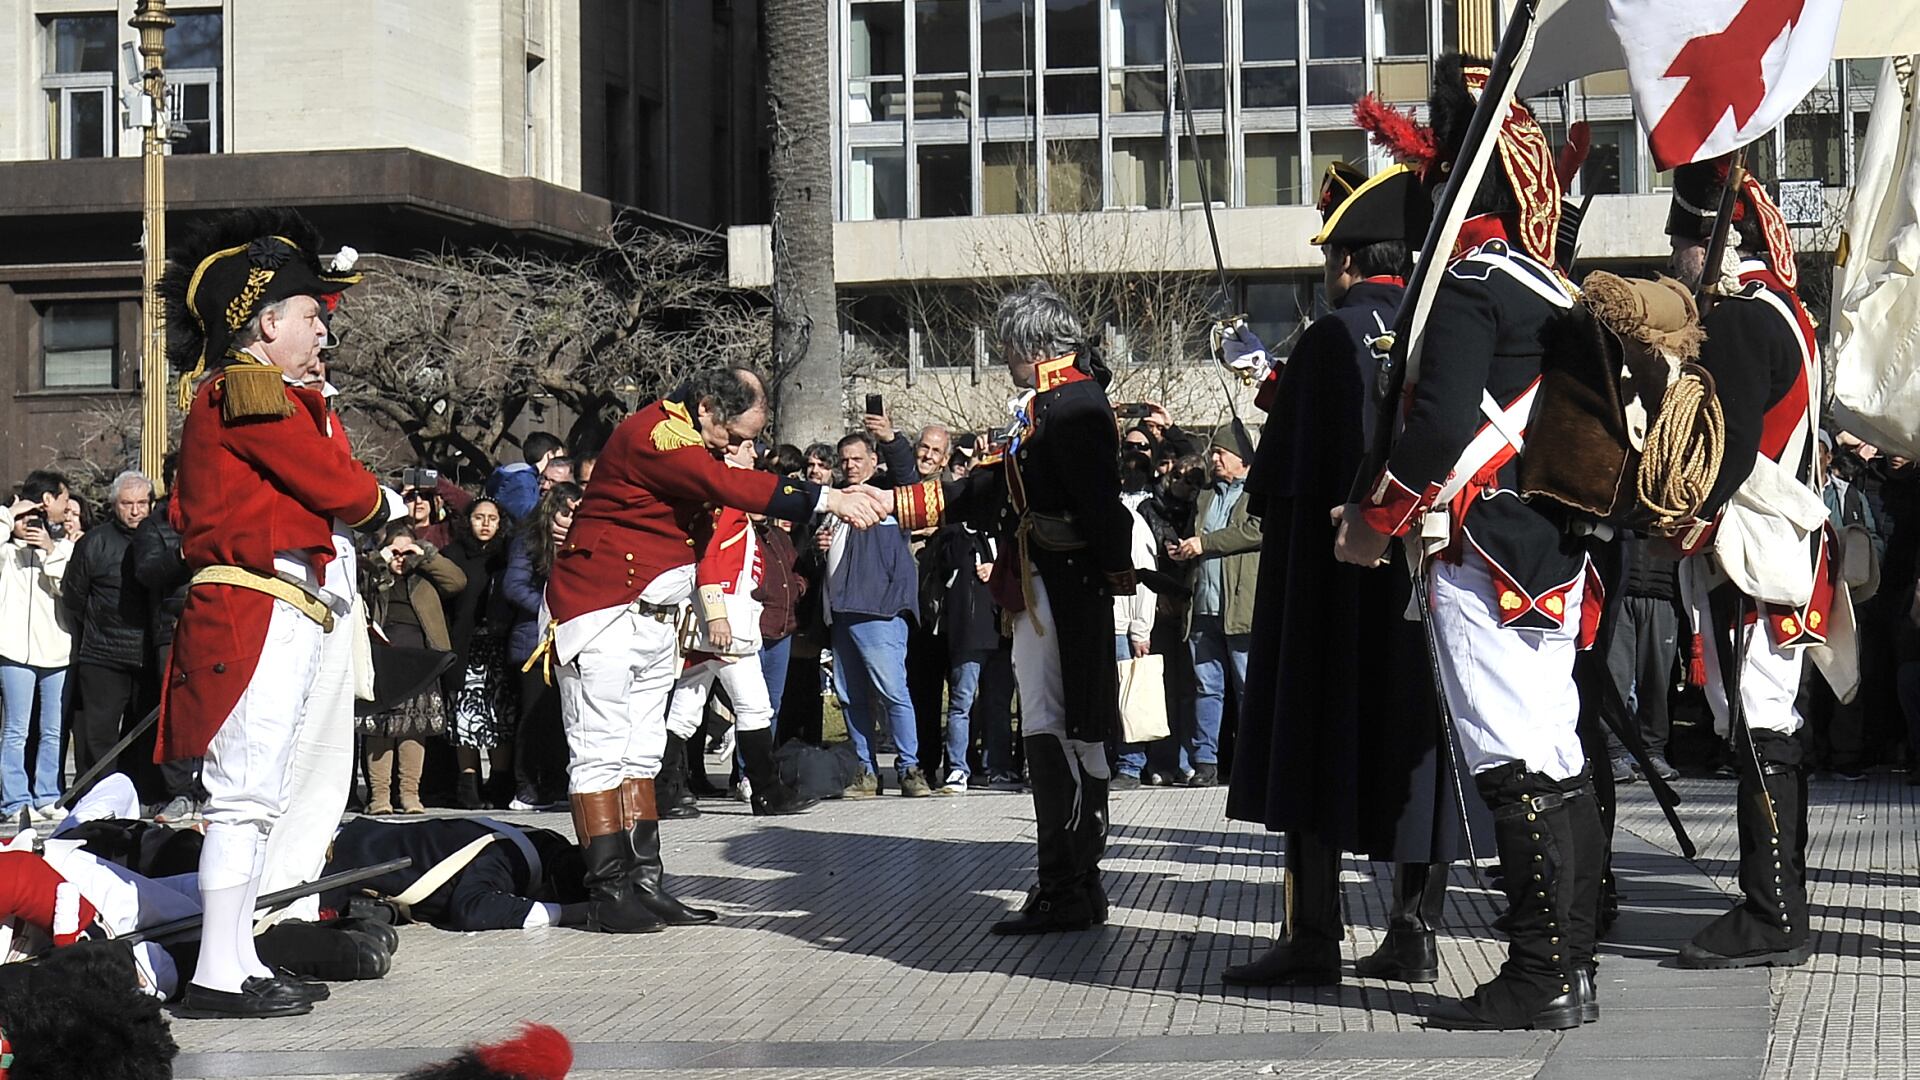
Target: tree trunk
x,y
809,396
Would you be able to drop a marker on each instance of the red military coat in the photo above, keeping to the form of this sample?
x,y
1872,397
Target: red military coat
x,y
654,480
247,488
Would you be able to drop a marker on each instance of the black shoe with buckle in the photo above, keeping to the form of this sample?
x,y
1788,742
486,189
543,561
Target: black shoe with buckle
x,y
1044,914
257,998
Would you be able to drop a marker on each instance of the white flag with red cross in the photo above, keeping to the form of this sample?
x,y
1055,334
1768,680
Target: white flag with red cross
x,y
1710,76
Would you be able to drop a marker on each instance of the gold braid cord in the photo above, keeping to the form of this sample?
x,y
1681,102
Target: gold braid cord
x,y
1683,451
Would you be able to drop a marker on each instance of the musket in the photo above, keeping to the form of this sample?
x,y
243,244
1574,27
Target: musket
x,y
176,927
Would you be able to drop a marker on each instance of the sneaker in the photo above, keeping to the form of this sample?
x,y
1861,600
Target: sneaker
x,y
49,814
1205,774
742,791
913,784
864,786
1124,782
956,783
1660,767
1624,771
177,809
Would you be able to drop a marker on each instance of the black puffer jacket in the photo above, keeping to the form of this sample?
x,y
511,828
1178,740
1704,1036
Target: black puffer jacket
x,y
161,572
105,604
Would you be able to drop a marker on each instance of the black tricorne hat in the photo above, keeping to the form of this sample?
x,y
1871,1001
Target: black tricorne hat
x,y
221,272
1356,210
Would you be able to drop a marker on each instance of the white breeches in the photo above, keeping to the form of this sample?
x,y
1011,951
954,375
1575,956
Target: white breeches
x,y
746,689
1511,692
1043,701
613,702
1769,679
248,772
322,777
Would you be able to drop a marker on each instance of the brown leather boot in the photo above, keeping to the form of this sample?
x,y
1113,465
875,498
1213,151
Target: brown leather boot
x,y
413,762
379,775
613,907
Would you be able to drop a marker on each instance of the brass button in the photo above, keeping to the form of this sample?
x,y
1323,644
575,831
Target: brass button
x,y
219,669
630,554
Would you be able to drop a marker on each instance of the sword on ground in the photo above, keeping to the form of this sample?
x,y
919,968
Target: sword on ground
x,y
177,927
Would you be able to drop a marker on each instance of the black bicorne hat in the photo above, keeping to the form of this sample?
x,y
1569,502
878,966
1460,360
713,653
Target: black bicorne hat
x,y
1698,188
1356,210
221,272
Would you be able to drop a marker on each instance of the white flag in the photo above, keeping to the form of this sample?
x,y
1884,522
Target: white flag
x,y
1710,76
1876,289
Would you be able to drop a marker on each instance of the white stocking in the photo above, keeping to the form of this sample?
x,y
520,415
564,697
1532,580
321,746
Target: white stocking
x,y
226,932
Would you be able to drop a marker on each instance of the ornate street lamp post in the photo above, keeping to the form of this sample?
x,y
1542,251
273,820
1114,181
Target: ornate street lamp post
x,y
153,22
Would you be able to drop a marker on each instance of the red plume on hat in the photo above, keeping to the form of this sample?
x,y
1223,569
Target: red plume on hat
x,y
537,1053
1408,140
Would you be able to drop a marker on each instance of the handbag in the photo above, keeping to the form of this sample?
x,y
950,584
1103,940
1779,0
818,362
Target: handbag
x,y
1143,699
1764,540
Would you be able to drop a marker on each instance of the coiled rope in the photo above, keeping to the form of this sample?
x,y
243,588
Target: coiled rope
x,y
1682,455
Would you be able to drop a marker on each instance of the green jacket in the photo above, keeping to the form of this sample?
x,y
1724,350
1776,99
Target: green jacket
x,y
1238,547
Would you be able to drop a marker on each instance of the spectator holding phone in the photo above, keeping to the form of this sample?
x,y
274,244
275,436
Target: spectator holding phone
x,y
411,582
35,642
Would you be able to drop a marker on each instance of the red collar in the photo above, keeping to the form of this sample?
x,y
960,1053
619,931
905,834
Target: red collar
x,y
1384,279
1057,372
1476,231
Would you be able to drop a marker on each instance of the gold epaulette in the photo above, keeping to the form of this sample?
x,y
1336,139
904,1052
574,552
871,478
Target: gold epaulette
x,y
676,432
253,392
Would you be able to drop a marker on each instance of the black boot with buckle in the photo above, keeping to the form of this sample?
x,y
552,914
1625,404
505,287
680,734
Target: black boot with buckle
x,y
1535,986
1770,925
1582,830
1410,952
1308,952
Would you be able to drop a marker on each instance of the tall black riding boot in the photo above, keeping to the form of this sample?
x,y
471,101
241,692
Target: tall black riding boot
x,y
645,874
676,802
1089,830
1060,901
771,795
1411,952
1770,925
1308,952
613,909
1581,829
1535,987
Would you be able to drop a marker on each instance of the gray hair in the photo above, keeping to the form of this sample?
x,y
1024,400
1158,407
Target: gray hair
x,y
729,392
124,480
1035,321
930,428
250,333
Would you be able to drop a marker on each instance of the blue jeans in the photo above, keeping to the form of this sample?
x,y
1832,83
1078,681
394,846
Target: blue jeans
x,y
1129,758
773,666
1213,649
17,685
869,666
963,685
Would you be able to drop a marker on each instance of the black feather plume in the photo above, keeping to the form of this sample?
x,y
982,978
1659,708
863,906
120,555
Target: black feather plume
x,y
198,239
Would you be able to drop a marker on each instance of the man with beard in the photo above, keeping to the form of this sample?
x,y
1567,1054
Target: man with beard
x,y
1332,753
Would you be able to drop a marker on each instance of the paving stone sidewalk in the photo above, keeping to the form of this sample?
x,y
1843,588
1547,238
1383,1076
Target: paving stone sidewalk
x,y
854,944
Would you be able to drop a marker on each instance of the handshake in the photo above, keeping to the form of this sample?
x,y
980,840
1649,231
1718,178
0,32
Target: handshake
x,y
861,505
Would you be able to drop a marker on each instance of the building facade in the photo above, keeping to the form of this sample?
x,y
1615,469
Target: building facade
x,y
957,120
397,125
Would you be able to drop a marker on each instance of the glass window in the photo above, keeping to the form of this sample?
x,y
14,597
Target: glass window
x,y
193,104
1006,178
877,183
1273,169
941,99
1140,173
194,41
1006,35
1270,87
1816,148
1137,91
1400,26
78,342
1213,150
1402,80
84,43
1335,84
1208,87
946,180
1336,28
1137,31
1340,145
1073,34
1071,94
1610,167
1073,175
877,41
1269,30
1007,96
82,128
941,38
1202,32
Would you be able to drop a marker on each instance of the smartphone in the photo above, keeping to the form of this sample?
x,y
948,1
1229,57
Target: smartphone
x,y
876,407
419,478
1135,410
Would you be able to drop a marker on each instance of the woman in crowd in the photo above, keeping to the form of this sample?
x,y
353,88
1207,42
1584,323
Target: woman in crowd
x,y
539,745
479,692
799,711
35,643
410,583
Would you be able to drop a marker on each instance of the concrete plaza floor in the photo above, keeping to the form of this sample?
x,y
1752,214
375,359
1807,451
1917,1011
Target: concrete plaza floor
x,y
853,944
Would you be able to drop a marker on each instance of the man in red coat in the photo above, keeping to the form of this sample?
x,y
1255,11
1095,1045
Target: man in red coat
x,y
260,482
613,605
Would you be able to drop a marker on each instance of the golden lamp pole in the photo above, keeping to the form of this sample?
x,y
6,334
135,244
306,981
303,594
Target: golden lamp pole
x,y
153,22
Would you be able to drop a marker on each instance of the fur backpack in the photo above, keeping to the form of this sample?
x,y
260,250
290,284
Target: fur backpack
x,y
1626,431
